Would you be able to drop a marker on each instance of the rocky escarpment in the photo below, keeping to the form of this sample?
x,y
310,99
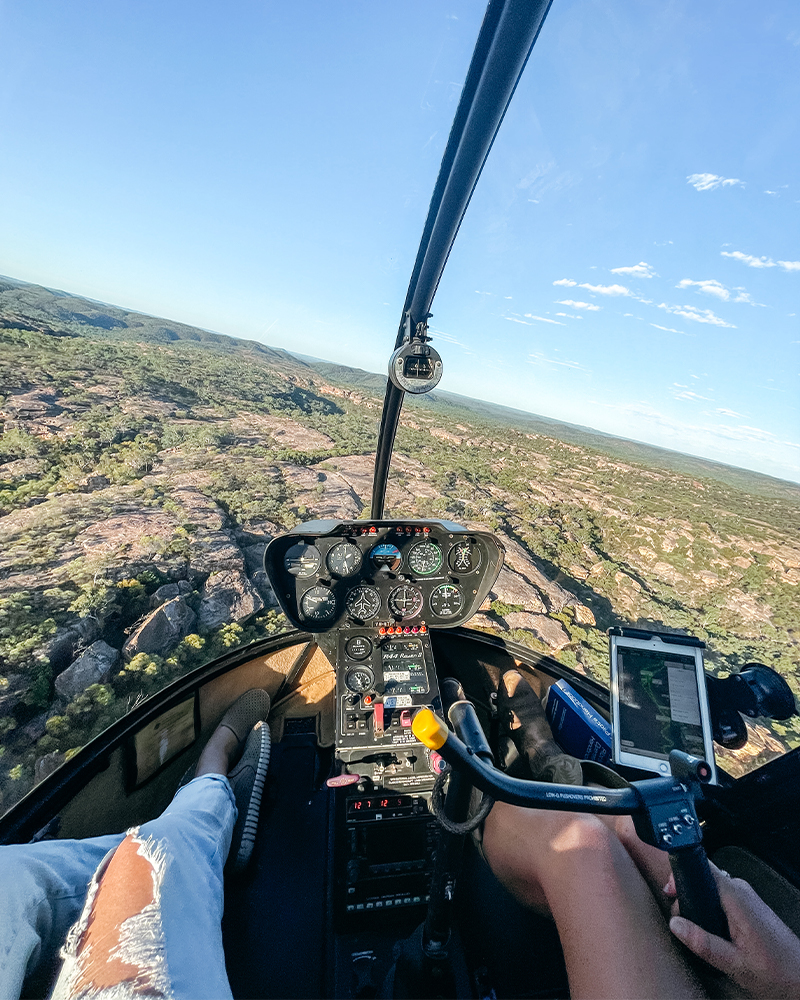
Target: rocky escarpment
x,y
140,483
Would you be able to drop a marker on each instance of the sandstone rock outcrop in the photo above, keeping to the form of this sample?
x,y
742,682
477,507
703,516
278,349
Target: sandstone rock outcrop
x,y
511,588
547,629
94,666
227,596
181,588
162,629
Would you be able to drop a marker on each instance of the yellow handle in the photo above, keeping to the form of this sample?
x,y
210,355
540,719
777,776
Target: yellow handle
x,y
429,729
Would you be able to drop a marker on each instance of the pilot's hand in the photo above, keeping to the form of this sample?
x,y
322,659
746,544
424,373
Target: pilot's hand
x,y
763,954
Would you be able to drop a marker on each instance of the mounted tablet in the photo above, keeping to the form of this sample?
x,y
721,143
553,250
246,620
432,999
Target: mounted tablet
x,y
659,700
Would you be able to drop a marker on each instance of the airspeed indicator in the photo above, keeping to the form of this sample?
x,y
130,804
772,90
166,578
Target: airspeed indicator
x,y
425,558
447,600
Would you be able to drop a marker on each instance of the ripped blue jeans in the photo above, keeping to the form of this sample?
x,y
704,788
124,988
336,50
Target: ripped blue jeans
x,y
47,890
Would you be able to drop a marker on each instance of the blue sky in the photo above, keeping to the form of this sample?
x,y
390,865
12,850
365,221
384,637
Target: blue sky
x,y
630,260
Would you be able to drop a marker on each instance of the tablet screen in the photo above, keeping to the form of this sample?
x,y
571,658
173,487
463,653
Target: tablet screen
x,y
659,706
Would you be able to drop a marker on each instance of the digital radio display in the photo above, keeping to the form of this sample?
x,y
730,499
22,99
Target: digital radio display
x,y
389,806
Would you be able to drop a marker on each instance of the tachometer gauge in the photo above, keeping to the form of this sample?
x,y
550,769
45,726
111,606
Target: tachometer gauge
x,y
359,679
344,559
446,600
464,557
302,560
425,558
405,601
318,604
363,603
386,556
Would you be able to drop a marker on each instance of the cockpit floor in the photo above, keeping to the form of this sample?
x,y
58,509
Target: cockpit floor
x,y
279,939
274,927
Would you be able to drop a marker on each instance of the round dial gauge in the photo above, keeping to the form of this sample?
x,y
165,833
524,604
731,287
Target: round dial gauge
x,y
425,558
302,560
344,559
388,556
358,647
363,603
359,679
318,604
464,557
405,601
447,600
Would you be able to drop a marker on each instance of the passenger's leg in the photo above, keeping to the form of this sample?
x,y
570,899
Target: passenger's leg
x,y
42,892
151,925
616,942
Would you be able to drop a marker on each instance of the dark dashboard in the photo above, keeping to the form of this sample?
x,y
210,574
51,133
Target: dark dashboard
x,y
411,575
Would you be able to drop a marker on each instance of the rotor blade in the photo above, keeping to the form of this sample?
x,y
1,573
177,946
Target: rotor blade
x,y
505,41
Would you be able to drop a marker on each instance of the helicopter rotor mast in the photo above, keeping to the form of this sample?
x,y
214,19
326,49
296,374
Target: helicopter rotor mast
x,y
507,36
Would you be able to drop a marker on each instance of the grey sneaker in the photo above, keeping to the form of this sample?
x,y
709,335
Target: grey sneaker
x,y
240,718
247,781
245,712
531,732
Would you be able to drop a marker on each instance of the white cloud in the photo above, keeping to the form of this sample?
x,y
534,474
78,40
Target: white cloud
x,y
606,289
790,265
713,287
668,329
749,259
709,286
640,270
696,315
707,182
542,319
483,293
579,305
770,192
540,359
569,315
728,413
513,319
447,337
566,282
688,394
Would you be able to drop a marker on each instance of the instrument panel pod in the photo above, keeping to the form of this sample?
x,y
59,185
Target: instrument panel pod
x,y
398,573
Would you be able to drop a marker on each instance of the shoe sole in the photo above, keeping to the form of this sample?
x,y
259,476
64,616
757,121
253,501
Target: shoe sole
x,y
250,828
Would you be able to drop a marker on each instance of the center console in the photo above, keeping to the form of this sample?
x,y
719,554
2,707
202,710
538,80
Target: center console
x,y
372,591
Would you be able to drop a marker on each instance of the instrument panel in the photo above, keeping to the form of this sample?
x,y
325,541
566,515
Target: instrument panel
x,y
409,575
372,591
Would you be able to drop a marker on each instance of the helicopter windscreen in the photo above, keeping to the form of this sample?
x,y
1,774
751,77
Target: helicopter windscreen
x,y
617,323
